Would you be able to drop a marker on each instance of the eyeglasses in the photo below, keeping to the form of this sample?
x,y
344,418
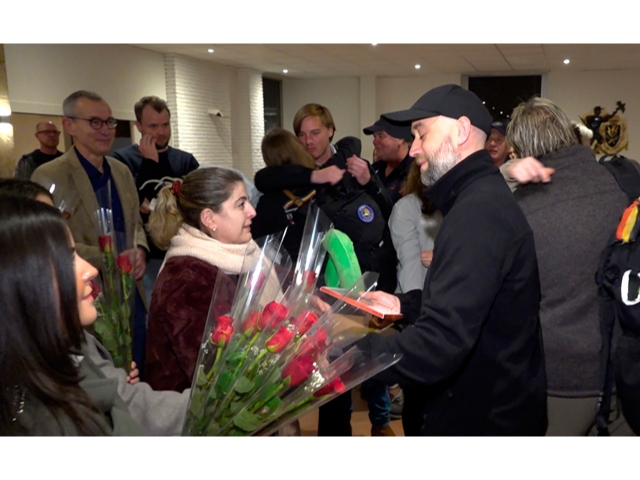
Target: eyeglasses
x,y
49,132
96,123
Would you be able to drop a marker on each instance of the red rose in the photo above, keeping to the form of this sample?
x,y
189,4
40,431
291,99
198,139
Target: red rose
x,y
298,370
305,321
335,385
124,264
222,333
309,279
274,314
315,345
279,340
225,320
95,289
105,243
250,324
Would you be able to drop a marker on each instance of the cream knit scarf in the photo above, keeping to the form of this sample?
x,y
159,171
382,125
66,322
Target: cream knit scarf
x,y
228,257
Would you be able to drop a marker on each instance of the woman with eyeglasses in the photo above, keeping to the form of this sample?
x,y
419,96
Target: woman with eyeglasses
x,y
48,385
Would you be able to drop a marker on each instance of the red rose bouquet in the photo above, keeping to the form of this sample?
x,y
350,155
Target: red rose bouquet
x,y
114,300
277,355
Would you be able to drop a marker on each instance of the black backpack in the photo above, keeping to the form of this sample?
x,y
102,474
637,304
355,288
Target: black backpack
x,y
354,212
618,280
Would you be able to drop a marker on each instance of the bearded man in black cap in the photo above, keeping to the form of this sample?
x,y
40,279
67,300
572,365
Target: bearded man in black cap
x,y
472,361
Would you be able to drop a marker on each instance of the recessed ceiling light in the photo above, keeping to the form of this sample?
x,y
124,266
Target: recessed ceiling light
x,y
285,71
566,61
210,50
417,66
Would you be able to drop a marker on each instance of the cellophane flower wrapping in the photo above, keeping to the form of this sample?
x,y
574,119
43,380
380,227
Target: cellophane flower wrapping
x,y
65,201
225,349
113,293
266,363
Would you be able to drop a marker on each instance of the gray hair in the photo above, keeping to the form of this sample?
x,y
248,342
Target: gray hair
x,y
69,104
539,127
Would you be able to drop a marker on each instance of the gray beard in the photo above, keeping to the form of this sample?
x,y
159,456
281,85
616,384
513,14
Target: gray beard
x,y
440,162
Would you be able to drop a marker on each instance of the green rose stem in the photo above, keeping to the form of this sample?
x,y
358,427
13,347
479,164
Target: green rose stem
x,y
232,393
202,423
247,349
257,407
273,395
213,406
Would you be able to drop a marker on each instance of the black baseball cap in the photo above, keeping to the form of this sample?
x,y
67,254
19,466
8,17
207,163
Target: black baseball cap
x,y
500,125
451,101
394,130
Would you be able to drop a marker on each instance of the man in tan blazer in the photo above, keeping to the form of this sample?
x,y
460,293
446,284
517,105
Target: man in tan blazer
x,y
83,175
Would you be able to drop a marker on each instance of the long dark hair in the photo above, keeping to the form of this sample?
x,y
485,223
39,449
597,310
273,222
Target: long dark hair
x,y
40,324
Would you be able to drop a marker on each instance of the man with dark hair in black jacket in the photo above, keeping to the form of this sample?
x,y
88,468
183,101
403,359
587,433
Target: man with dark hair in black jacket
x,y
472,361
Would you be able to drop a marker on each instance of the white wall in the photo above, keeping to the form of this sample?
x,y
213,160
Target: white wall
x,y
399,93
233,140
40,77
248,121
355,103
351,100
193,87
340,95
578,92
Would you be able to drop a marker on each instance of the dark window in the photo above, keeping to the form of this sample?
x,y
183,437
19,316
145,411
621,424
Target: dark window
x,y
502,94
272,105
123,135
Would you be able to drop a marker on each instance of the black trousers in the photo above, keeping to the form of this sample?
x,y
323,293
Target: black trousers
x,y
413,411
334,417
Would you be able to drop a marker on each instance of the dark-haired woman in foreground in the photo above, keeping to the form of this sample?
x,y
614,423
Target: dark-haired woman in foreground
x,y
47,384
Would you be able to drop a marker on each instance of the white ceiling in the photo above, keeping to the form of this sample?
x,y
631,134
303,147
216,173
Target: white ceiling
x,y
398,60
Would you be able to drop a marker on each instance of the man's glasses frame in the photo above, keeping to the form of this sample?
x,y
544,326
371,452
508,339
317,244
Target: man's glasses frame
x,y
49,132
96,123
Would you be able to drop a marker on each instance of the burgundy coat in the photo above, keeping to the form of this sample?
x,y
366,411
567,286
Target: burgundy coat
x,y
177,318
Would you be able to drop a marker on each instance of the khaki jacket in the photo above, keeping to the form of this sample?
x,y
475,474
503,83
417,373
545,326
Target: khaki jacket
x,y
72,185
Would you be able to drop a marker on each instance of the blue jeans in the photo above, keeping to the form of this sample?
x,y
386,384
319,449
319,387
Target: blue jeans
x,y
377,396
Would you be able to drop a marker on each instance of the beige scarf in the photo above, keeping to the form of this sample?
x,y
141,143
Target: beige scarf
x,y
228,257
